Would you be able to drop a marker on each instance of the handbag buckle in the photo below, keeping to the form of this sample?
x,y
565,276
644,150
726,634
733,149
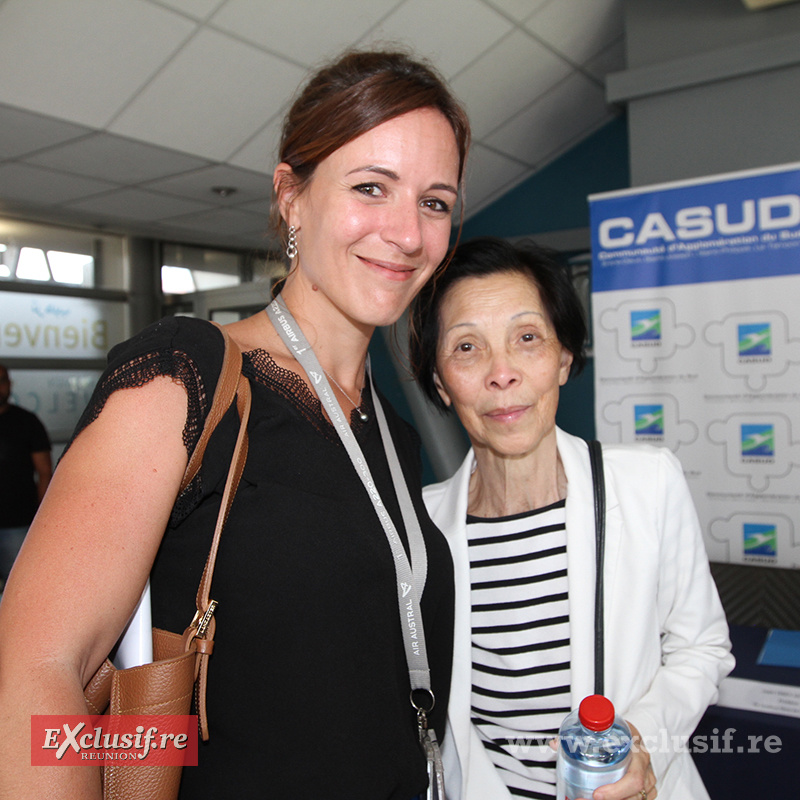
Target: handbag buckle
x,y
202,622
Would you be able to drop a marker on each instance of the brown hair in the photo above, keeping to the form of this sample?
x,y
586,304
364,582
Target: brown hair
x,y
352,95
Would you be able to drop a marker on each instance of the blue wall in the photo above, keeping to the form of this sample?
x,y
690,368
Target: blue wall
x,y
554,199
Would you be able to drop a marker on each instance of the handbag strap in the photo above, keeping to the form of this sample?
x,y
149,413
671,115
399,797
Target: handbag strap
x,y
598,484
227,384
200,633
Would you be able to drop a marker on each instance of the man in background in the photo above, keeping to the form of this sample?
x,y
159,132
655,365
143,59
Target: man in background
x,y
25,471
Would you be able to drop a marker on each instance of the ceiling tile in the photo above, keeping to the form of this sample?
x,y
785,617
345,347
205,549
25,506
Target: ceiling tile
x,y
487,173
554,122
220,220
250,186
293,30
137,204
125,112
506,79
23,183
451,33
197,9
600,24
518,9
83,58
260,207
612,59
210,98
22,132
260,154
116,158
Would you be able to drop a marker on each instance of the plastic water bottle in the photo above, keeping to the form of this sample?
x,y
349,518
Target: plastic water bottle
x,y
594,749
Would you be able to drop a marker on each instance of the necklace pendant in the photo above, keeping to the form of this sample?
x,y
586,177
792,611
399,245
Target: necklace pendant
x,y
363,416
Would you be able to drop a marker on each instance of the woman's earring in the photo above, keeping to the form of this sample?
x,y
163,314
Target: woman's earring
x,y
291,245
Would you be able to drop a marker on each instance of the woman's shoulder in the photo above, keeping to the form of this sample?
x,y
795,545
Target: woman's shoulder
x,y
640,455
197,338
188,350
642,470
626,464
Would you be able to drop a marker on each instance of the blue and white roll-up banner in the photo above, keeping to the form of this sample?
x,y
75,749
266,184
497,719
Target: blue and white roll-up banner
x,y
696,327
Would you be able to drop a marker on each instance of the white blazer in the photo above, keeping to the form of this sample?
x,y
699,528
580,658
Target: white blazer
x,y
666,638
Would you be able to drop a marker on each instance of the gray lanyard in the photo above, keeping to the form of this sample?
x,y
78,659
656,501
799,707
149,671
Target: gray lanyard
x,y
410,582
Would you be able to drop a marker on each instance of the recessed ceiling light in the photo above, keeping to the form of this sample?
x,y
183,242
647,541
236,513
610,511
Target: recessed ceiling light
x,y
224,191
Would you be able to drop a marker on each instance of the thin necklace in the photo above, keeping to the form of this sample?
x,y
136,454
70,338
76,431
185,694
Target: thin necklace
x,y
362,415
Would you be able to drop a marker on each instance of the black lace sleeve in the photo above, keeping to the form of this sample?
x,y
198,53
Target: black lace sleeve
x,y
188,350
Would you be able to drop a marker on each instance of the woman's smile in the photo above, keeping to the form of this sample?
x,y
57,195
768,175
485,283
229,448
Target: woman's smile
x,y
388,269
505,415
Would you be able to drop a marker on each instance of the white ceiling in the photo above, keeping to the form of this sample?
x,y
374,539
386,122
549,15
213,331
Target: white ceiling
x,y
123,114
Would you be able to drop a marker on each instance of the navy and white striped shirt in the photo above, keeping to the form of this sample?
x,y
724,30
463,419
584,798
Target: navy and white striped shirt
x,y
520,642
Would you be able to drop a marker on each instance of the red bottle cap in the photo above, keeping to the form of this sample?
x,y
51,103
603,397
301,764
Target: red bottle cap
x,y
596,713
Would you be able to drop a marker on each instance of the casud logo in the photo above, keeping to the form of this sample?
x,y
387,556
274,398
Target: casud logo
x,y
133,740
758,442
760,540
755,340
648,421
699,222
646,325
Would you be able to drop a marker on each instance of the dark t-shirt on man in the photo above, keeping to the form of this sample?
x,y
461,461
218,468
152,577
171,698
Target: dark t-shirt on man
x,y
21,434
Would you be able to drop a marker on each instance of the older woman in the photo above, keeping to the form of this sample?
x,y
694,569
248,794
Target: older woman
x,y
308,685
495,337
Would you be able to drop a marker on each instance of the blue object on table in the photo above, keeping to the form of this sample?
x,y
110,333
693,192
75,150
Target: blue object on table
x,y
781,649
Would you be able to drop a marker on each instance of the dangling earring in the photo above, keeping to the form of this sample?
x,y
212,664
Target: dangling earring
x,y
291,245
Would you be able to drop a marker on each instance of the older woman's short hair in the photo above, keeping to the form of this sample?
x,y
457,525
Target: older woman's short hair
x,y
489,256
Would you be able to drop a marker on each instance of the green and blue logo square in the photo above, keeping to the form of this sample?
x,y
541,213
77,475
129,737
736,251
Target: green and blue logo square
x,y
758,441
646,325
648,420
755,340
760,540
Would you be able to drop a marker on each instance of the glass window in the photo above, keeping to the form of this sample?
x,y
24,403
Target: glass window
x,y
74,268
186,269
32,265
177,280
58,256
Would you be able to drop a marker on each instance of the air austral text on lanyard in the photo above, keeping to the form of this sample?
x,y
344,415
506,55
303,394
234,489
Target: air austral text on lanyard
x,y
411,575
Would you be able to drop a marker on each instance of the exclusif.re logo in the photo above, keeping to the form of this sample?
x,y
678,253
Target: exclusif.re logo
x,y
133,740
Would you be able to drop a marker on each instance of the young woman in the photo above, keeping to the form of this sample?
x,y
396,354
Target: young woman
x,y
308,686
498,334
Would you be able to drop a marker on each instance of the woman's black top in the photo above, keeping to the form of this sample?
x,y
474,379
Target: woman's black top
x,y
308,690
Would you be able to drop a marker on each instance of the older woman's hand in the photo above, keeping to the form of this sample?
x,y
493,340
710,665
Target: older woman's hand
x,y
638,783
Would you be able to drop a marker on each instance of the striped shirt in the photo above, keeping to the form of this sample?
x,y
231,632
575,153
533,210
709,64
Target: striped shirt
x,y
520,643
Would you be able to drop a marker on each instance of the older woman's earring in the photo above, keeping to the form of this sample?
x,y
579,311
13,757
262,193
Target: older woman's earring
x,y
291,245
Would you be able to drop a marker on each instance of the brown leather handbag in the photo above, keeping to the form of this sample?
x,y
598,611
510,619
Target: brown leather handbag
x,y
180,662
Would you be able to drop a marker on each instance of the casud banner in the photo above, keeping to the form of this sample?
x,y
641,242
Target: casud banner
x,y
695,289
697,232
